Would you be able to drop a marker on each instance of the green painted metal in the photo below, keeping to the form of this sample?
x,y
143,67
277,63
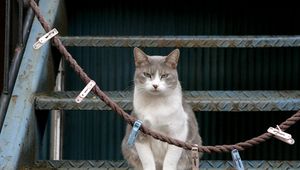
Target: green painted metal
x,y
98,134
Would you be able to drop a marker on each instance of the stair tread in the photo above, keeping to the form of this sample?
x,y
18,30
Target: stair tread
x,y
219,164
183,41
288,100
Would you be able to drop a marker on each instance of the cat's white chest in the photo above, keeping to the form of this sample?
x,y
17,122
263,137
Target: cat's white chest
x,y
162,114
157,117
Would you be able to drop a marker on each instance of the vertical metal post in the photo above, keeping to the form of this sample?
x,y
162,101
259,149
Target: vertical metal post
x,y
27,24
6,47
57,120
20,24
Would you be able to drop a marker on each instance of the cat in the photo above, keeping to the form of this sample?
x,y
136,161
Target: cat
x,y
158,103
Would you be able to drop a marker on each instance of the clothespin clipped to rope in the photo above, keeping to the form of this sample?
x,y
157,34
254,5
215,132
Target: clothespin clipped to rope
x,y
85,91
237,161
134,132
195,157
283,136
45,38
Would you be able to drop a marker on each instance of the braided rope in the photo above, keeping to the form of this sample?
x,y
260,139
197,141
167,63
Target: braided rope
x,y
129,119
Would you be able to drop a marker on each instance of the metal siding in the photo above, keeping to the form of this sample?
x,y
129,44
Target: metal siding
x,y
98,134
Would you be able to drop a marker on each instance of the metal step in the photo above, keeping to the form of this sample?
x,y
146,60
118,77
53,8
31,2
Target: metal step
x,y
123,165
183,41
200,100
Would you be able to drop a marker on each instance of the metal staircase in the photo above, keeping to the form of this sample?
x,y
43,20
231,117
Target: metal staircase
x,y
227,101
232,101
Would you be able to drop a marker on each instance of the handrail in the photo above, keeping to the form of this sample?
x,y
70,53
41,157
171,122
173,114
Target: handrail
x,y
12,71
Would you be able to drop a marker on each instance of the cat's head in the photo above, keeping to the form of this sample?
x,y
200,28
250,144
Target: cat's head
x,y
156,75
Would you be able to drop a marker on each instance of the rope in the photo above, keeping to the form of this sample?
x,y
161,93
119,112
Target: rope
x,y
130,120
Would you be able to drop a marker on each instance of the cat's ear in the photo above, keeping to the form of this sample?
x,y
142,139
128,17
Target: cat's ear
x,y
140,58
172,59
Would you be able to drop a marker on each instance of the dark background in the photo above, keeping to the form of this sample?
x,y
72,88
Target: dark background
x,y
98,134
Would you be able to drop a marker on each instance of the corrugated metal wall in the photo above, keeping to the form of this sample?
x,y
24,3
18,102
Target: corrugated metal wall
x,y
97,135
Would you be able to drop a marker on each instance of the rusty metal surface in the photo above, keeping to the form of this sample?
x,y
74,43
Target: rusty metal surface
x,y
14,67
200,100
184,41
19,136
216,164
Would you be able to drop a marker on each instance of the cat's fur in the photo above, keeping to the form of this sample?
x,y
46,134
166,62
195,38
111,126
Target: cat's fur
x,y
158,102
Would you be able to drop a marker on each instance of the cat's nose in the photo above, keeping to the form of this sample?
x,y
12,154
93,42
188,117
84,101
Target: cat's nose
x,y
155,86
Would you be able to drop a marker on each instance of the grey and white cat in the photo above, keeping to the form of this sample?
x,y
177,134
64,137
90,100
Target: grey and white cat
x,y
158,102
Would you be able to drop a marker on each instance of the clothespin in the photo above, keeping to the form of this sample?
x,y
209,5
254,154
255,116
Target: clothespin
x,y
195,157
237,159
134,132
283,136
85,91
45,38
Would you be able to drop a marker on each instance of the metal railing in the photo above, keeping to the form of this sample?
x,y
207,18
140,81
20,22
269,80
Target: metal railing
x,y
11,68
56,127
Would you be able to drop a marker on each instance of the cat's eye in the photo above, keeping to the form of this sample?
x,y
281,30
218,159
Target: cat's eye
x,y
147,74
164,76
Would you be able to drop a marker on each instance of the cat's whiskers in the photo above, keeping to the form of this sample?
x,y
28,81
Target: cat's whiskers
x,y
141,90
